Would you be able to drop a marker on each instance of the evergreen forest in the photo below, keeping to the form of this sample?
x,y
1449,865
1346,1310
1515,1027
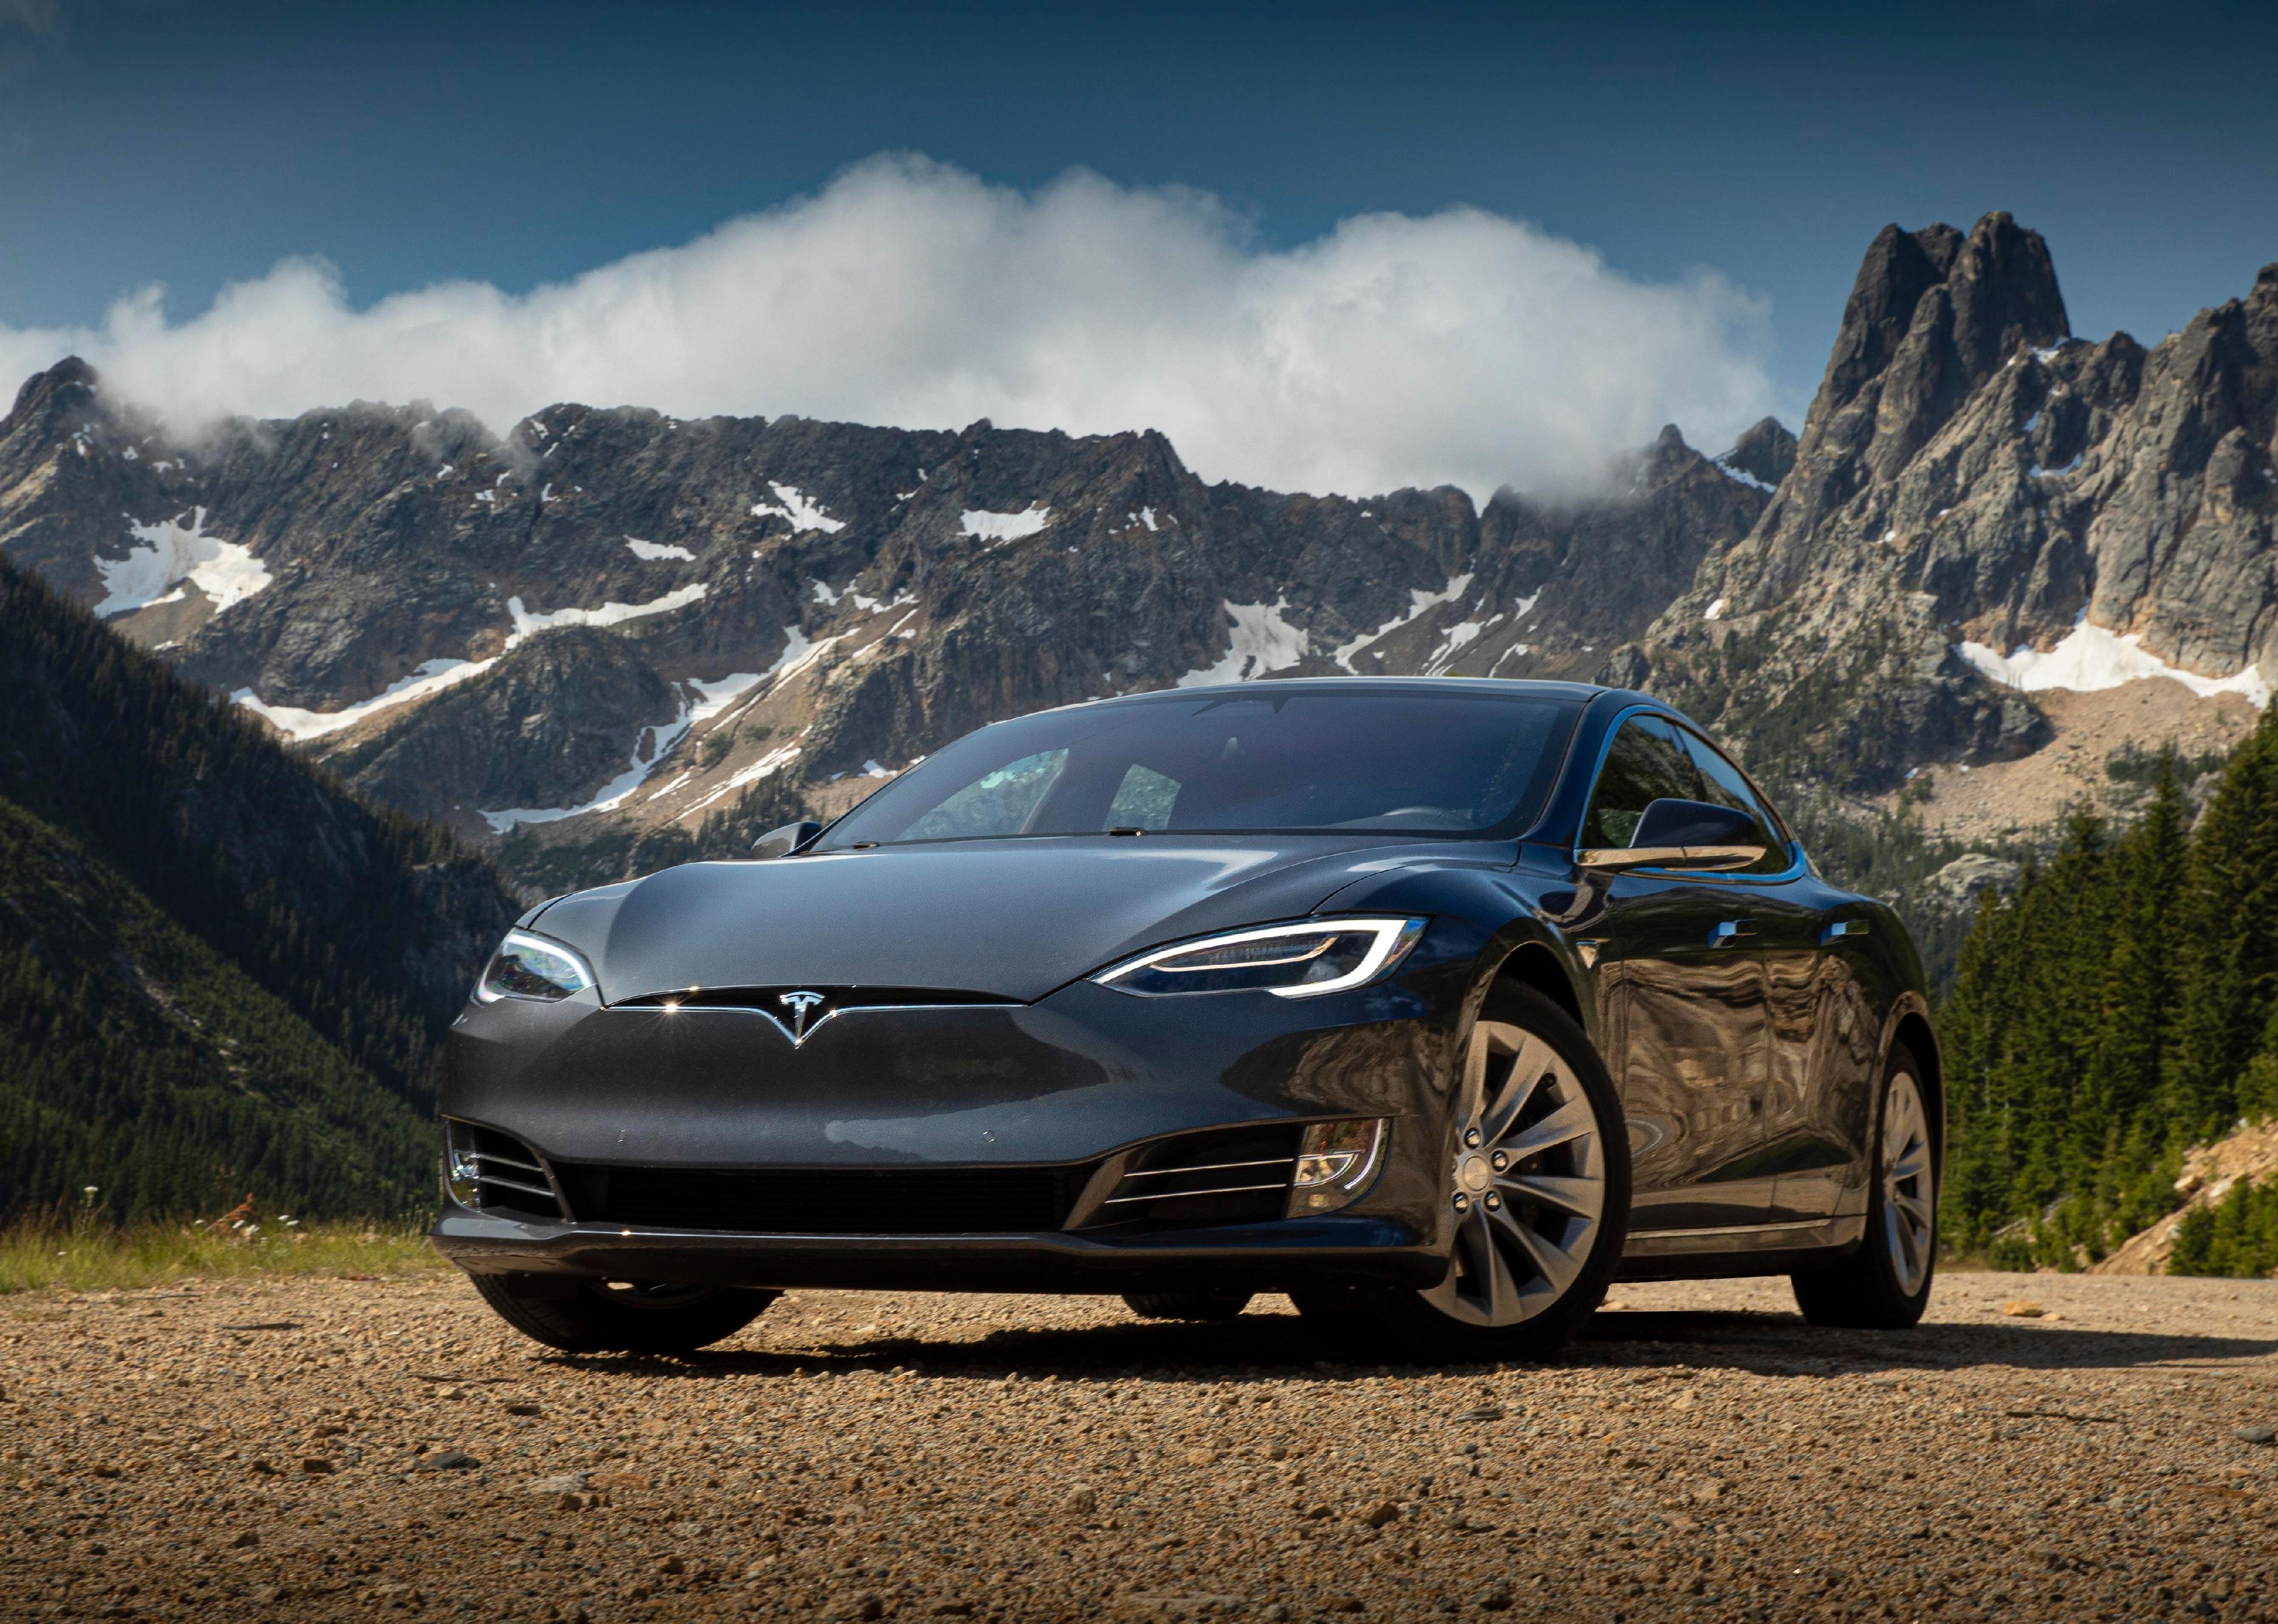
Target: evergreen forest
x,y
220,973
2118,1007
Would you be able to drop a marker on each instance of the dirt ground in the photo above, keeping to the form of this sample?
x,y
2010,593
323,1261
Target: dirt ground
x,y
372,1449
1986,802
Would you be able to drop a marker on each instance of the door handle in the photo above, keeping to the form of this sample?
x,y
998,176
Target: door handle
x,y
1731,930
1840,929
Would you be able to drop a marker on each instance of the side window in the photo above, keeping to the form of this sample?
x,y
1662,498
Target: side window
x,y
1722,783
1648,763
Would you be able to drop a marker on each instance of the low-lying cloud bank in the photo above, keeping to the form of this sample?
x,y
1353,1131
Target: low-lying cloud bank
x,y
1459,348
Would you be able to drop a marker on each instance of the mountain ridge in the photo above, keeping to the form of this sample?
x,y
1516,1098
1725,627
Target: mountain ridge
x,y
613,613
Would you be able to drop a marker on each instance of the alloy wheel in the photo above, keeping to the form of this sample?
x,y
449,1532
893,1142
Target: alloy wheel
x,y
1526,1182
1909,1202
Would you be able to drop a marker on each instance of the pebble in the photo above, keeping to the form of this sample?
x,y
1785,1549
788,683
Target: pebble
x,y
2256,1434
449,1460
2018,1308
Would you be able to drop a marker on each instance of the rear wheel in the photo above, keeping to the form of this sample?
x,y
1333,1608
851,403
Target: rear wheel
x,y
1886,1283
599,1317
1187,1305
1537,1191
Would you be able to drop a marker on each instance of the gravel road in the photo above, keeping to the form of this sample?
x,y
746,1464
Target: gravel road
x,y
348,1449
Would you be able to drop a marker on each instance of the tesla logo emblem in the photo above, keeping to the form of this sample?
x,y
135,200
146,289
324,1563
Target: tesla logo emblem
x,y
800,1005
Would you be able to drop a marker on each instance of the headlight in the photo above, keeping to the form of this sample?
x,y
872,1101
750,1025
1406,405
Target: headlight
x,y
528,966
1336,1163
1289,961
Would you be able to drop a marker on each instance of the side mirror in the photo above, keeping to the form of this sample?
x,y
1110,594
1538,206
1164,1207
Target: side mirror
x,y
1673,834
788,840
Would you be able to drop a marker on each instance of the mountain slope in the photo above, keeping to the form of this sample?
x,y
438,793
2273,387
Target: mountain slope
x,y
614,619
214,964
136,1059
1981,507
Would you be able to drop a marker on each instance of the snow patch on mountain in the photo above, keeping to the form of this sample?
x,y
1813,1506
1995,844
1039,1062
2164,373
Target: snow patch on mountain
x,y
654,550
1261,641
1420,602
2090,659
171,553
431,677
803,512
998,527
528,622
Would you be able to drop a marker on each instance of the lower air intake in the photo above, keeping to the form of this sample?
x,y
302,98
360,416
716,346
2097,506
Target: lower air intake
x,y
824,1202
492,1171
1228,1176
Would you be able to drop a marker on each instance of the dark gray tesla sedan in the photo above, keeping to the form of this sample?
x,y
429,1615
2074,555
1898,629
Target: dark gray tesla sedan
x,y
1436,1004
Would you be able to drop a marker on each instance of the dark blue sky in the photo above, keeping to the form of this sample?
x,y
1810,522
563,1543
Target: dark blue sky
x,y
194,143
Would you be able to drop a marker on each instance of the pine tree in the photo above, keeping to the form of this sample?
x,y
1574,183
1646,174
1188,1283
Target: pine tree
x,y
2227,940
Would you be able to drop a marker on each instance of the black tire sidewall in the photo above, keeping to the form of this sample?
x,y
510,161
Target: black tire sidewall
x,y
1898,1305
564,1313
1862,1290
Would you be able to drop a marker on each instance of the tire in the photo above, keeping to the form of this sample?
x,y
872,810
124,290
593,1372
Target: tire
x,y
593,1316
1187,1305
1524,1274
1884,1285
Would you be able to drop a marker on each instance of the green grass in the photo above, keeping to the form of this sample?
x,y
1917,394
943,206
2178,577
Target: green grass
x,y
88,1256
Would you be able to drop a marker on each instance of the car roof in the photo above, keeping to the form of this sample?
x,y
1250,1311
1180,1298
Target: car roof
x,y
1502,686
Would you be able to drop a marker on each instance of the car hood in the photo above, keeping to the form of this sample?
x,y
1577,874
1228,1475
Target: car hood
x,y
1012,919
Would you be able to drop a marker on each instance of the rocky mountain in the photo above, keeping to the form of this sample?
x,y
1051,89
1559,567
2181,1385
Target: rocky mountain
x,y
1983,507
610,639
611,624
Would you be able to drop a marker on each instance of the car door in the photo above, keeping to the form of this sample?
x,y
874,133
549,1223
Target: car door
x,y
1682,996
1818,1051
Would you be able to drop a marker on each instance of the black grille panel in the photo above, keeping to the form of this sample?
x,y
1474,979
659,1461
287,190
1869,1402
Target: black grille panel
x,y
829,1201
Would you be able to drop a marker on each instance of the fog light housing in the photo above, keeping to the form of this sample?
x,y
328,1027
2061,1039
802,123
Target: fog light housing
x,y
1336,1163
462,1171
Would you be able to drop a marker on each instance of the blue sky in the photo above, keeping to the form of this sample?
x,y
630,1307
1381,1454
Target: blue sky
x,y
194,144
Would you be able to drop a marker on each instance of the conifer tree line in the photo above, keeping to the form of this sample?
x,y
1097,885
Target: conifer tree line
x,y
220,971
2120,1005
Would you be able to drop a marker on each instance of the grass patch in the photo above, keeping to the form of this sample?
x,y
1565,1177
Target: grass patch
x,y
86,1255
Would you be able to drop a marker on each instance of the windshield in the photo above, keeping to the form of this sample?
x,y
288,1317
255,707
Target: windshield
x,y
1287,762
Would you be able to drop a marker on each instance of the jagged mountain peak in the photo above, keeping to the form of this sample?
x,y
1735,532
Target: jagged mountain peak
x,y
1765,452
1982,506
63,390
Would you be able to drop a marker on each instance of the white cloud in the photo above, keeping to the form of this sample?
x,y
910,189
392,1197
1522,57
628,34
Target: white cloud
x,y
1461,347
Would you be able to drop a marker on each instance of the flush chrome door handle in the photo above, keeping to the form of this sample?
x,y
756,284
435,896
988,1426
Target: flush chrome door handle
x,y
1732,930
1842,928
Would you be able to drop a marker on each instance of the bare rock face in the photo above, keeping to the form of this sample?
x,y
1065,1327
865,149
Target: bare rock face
x,y
1971,473
619,615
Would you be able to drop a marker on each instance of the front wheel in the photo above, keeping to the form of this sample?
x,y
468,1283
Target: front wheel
x,y
1884,1285
599,1317
1537,1192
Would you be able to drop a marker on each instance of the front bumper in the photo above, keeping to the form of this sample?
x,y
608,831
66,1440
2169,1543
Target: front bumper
x,y
1086,1078
1257,1257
